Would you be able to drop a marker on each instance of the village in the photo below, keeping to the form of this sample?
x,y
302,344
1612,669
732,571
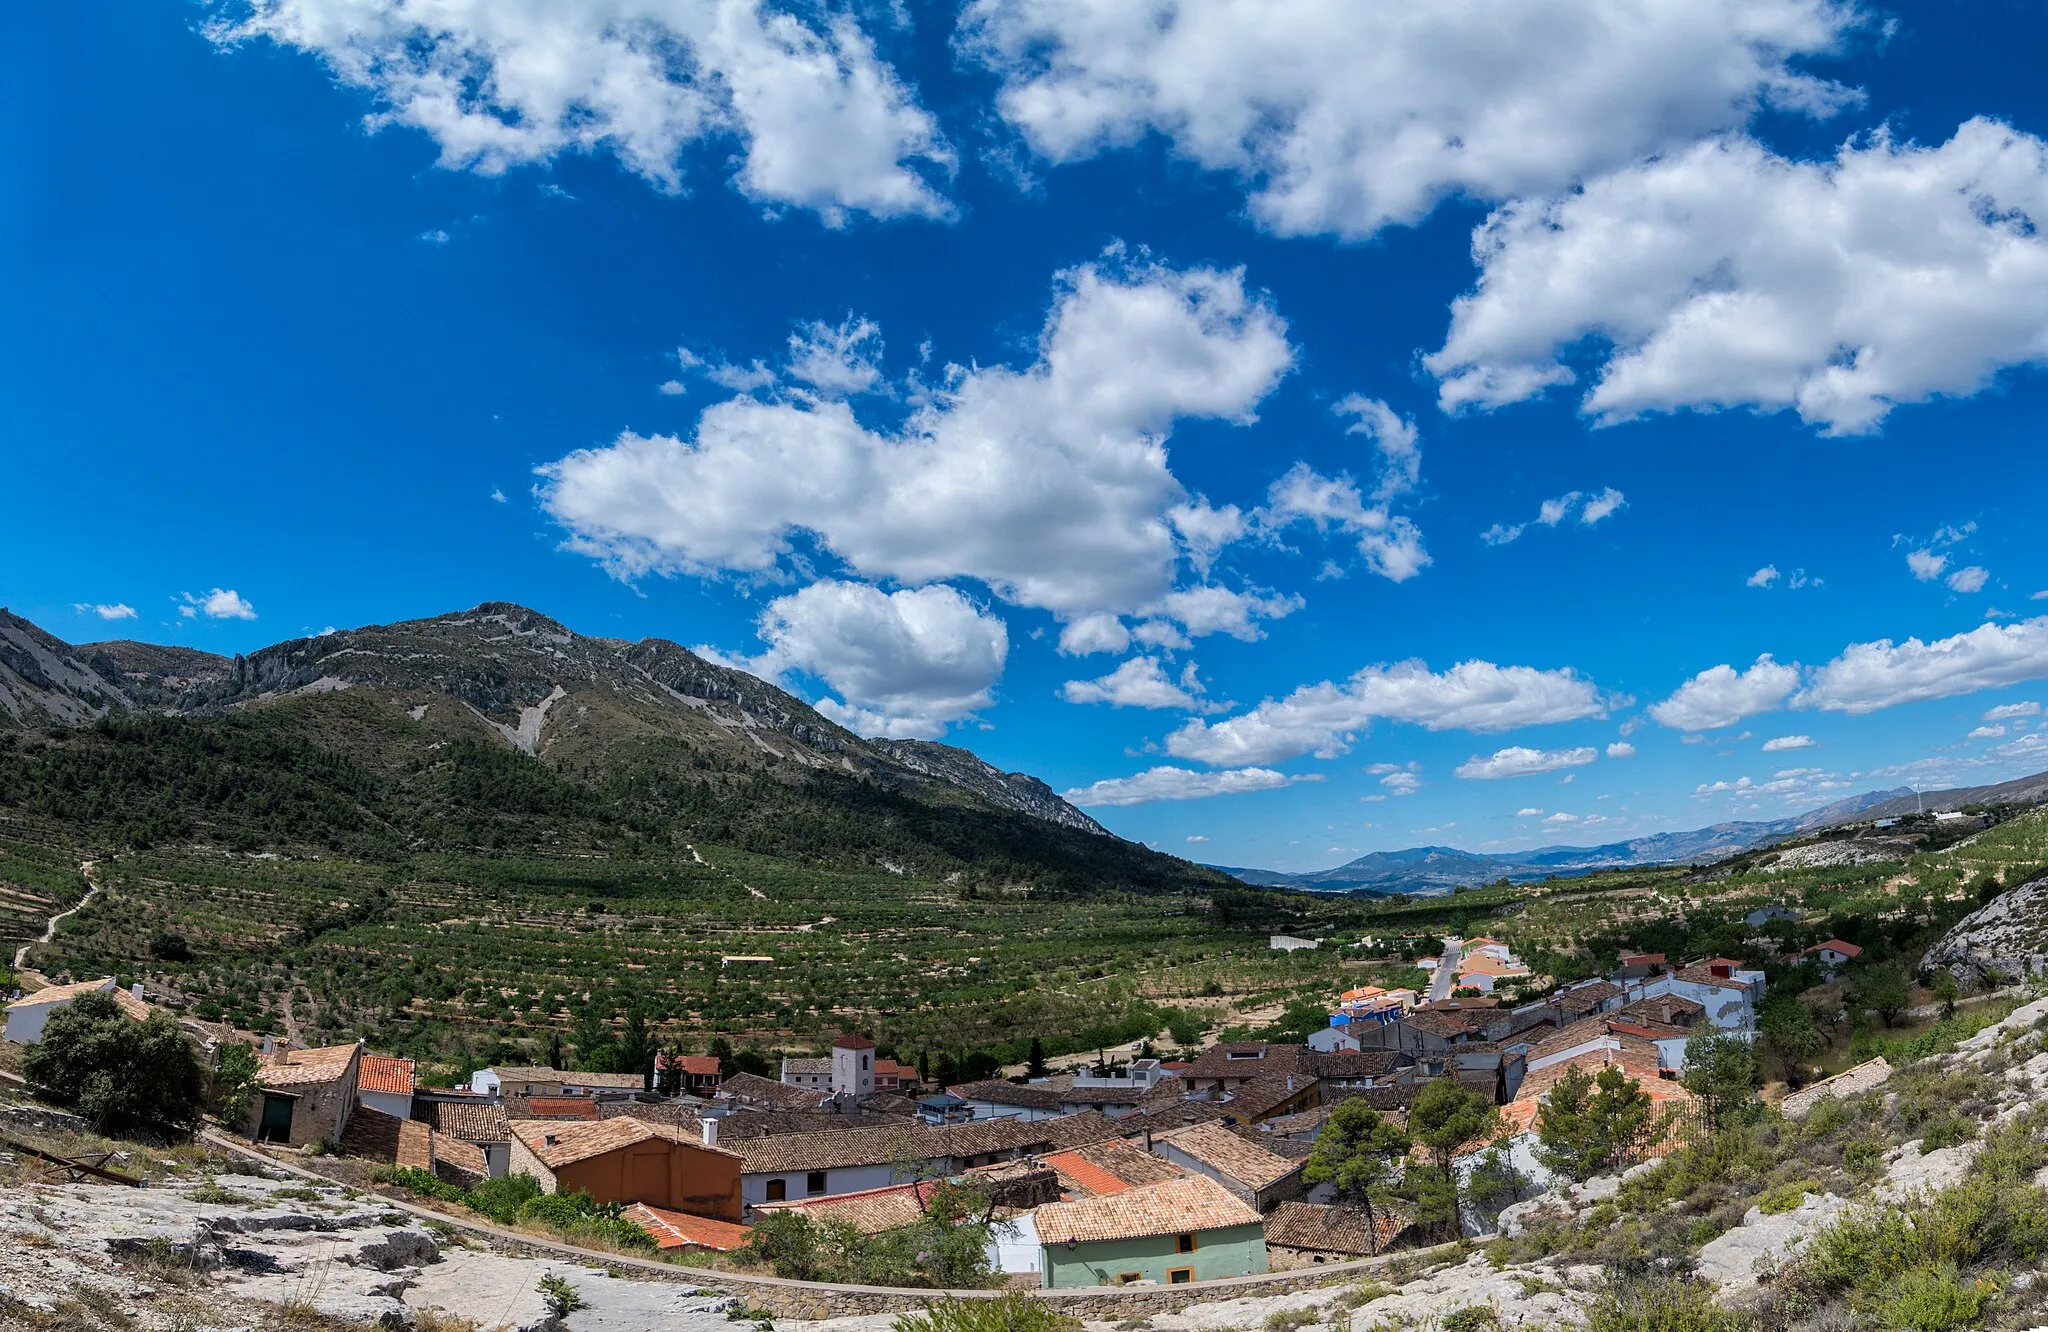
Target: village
x,y
1140,1170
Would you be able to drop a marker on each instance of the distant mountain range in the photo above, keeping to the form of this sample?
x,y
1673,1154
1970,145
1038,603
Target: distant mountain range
x,y
1424,870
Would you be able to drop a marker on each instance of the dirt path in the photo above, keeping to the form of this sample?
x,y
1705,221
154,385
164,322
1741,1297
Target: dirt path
x,y
92,890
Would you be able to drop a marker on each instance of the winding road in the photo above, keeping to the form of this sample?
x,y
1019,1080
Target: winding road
x,y
92,890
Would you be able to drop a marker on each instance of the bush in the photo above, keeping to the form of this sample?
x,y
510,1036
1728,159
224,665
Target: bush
x,y
1783,1198
121,1074
1929,1298
1014,1312
1661,1305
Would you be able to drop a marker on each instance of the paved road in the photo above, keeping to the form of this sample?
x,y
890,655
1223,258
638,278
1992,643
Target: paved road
x,y
1446,970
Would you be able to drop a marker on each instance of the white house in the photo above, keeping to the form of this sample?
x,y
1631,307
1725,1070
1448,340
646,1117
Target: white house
x,y
384,1082
1288,943
1833,955
1730,991
815,1074
26,1015
1334,1038
997,1099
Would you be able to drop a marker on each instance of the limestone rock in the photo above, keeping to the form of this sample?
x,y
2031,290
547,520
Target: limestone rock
x,y
1734,1260
2008,935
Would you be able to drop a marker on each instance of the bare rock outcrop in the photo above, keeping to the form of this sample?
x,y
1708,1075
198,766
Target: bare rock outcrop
x,y
2008,936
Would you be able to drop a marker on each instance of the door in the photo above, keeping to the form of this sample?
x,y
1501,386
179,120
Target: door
x,y
276,1125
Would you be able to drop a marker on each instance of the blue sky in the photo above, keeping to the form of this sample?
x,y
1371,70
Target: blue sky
x,y
1292,426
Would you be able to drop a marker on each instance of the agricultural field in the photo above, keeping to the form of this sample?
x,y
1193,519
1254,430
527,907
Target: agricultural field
x,y
449,956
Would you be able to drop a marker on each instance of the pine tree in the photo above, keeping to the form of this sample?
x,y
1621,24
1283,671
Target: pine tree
x,y
1034,1062
1356,1152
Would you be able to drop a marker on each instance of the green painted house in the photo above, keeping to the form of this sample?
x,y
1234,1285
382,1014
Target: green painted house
x,y
1189,1229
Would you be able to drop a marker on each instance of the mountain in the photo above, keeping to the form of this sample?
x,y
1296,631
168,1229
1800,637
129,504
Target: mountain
x,y
1436,869
644,734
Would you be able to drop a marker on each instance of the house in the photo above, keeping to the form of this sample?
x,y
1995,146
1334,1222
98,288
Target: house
x,y
1426,1031
1260,1179
1486,947
626,1160
1111,1166
1335,1038
1371,998
604,1086
679,1232
1577,1001
997,1099
1226,1067
787,1166
26,1015
1672,1010
1833,955
752,1092
1482,971
306,1095
891,1076
384,1082
1730,992
1641,966
482,1126
1013,1247
808,1073
944,1108
1287,943
1764,915
517,1080
1300,1234
696,1074
1173,1233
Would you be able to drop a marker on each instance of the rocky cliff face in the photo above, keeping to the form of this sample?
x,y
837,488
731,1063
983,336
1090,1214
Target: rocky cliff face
x,y
2007,937
43,684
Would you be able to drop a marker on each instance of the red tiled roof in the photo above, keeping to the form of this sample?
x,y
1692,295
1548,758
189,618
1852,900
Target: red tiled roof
x,y
561,1107
1194,1202
1837,945
385,1073
853,1043
680,1230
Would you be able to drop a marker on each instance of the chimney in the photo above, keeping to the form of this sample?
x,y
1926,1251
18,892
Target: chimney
x,y
1723,971
136,989
269,1047
710,1133
548,1140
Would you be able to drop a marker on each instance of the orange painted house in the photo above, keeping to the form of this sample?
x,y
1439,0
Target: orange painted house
x,y
627,1160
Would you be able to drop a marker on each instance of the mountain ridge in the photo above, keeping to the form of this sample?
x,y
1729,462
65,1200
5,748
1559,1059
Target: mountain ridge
x,y
504,674
1426,870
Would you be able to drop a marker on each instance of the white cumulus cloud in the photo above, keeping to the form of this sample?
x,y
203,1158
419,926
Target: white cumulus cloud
x,y
1140,682
1520,761
2012,711
1763,577
1780,743
1721,695
1726,276
1049,484
223,603
820,119
1987,733
115,610
1869,676
1621,749
1390,543
904,664
1345,116
1528,812
1170,783
1323,718
1968,579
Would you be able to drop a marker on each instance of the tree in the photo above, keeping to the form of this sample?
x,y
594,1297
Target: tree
x,y
1034,1062
556,1058
234,1084
1721,1070
636,1043
1446,1116
670,1080
1791,1036
1587,1124
721,1049
121,1074
1945,990
1883,990
1355,1153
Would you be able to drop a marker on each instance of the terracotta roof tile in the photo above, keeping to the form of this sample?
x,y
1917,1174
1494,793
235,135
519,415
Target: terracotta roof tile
x,y
385,1073
550,1107
579,1142
1111,1167
470,1123
680,1230
380,1137
462,1155
58,994
1194,1202
998,1092
298,1068
1221,1150
1300,1225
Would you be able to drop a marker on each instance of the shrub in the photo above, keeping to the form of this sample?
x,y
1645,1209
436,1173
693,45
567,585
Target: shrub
x,y
1784,1197
1946,1130
1929,1298
121,1074
1661,1305
561,1297
1014,1312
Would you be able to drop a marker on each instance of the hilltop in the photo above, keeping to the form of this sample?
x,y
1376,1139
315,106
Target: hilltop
x,y
500,727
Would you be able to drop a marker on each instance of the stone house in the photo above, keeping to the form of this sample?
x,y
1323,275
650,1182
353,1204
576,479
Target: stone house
x,y
26,1015
306,1096
1260,1179
1300,1234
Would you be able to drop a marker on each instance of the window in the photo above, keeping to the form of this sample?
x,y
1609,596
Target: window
x,y
778,1190
1184,1243
814,1182
863,1063
1179,1276
1244,1054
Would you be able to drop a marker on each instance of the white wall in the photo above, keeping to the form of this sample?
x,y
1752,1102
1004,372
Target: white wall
x,y
484,1081
994,1110
844,1179
391,1103
1013,1245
